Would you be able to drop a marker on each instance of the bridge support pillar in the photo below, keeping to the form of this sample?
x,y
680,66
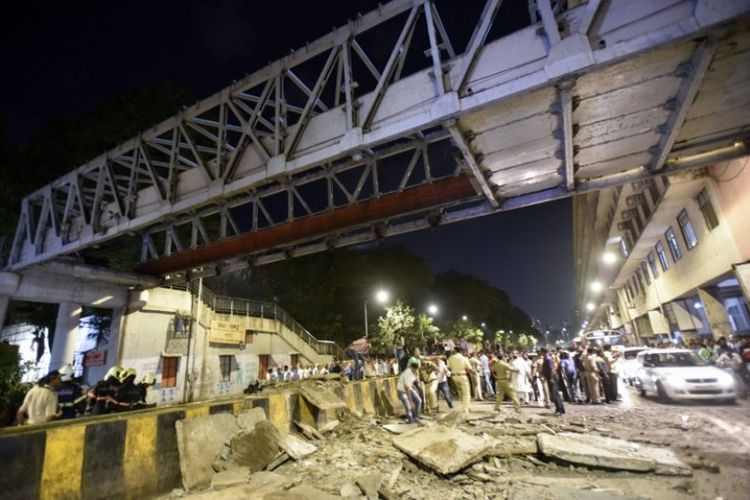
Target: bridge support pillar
x,y
66,335
4,300
716,313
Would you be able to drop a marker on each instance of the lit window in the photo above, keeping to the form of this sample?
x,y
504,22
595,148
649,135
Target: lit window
x,y
169,371
624,247
707,209
644,268
688,232
662,256
674,247
225,364
652,264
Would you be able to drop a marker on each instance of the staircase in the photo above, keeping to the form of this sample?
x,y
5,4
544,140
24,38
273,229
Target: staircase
x,y
290,330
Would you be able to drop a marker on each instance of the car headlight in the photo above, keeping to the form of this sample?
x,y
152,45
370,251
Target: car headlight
x,y
726,379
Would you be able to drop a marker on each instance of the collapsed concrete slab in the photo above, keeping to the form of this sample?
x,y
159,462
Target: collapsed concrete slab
x,y
611,453
399,428
446,450
321,397
297,448
248,418
230,477
199,441
370,485
257,448
514,445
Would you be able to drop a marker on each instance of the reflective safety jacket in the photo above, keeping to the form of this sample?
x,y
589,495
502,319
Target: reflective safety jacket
x,y
71,399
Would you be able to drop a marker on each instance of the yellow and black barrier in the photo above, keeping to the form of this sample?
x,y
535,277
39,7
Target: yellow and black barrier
x,y
134,455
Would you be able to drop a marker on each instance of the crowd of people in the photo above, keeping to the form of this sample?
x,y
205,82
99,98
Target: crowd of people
x,y
60,396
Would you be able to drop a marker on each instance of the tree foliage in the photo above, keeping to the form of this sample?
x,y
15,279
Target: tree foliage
x,y
398,320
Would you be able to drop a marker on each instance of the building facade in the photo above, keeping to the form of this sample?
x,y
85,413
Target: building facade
x,y
667,258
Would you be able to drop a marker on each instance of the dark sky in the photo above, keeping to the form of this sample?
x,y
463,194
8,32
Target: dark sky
x,y
61,59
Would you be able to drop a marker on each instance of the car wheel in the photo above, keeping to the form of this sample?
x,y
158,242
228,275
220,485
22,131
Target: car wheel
x,y
661,393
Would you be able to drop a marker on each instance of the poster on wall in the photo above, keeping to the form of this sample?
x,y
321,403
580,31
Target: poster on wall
x,y
224,332
94,358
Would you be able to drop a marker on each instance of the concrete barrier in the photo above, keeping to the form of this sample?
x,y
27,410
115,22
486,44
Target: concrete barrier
x,y
134,455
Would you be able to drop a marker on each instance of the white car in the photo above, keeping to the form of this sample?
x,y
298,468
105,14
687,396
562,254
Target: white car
x,y
682,374
628,363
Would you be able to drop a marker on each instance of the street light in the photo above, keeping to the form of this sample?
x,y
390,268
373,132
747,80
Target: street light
x,y
465,317
609,258
381,296
596,286
432,309
484,325
590,307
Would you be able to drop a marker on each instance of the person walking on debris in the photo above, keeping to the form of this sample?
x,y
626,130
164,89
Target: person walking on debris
x,y
428,377
357,350
502,370
549,374
70,395
40,404
442,381
460,369
408,392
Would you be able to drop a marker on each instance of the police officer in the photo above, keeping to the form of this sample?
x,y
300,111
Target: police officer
x,y
502,370
102,395
70,395
460,369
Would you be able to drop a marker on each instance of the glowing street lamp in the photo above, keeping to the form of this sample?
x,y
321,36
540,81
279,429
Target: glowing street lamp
x,y
381,296
609,258
465,318
590,307
596,286
432,309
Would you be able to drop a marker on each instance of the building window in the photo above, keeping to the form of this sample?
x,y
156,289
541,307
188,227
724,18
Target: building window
x,y
639,280
644,268
707,209
688,232
662,256
652,264
225,365
674,247
624,248
169,371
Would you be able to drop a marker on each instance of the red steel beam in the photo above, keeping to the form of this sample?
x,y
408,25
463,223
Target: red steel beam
x,y
411,200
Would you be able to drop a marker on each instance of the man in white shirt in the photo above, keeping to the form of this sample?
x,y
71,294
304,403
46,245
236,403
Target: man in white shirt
x,y
40,404
408,392
442,379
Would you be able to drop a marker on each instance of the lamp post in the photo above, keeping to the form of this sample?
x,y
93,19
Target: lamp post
x,y
381,296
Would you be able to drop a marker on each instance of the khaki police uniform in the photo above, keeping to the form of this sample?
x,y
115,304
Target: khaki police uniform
x,y
502,370
458,366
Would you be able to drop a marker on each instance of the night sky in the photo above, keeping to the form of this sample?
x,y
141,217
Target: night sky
x,y
61,59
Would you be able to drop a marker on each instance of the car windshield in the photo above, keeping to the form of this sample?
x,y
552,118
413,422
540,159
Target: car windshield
x,y
632,354
674,359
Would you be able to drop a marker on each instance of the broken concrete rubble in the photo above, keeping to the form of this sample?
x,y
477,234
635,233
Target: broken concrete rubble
x,y
258,447
296,448
611,453
230,477
321,397
446,450
248,418
199,441
370,485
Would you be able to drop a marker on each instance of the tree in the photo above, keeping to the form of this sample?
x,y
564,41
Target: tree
x,y
467,331
524,341
398,319
12,390
428,332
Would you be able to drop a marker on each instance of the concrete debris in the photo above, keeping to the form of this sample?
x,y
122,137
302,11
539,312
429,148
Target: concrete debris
x,y
248,418
297,448
350,490
230,477
257,448
370,485
199,441
269,479
277,462
446,450
309,431
328,426
514,445
303,493
611,453
321,397
399,428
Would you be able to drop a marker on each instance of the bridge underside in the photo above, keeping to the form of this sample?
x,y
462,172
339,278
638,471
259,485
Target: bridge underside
x,y
607,93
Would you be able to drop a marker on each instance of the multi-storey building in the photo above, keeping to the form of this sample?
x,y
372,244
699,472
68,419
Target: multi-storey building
x,y
667,257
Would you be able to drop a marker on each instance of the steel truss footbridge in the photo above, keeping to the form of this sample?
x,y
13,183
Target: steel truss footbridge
x,y
385,126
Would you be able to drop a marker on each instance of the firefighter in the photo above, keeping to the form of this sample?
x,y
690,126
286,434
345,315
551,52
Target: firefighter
x,y
101,396
129,395
70,395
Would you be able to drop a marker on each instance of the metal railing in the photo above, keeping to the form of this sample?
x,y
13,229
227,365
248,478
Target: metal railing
x,y
263,309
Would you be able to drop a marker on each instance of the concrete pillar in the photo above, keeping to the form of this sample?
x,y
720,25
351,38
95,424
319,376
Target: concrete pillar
x,y
4,300
742,271
66,335
716,314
